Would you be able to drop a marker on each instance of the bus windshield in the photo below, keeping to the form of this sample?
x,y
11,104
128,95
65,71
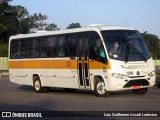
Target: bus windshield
x,y
125,45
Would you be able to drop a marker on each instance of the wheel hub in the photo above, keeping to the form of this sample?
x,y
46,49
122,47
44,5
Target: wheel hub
x,y
101,88
37,85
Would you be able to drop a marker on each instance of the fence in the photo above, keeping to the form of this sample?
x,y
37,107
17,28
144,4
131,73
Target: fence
x,y
3,63
3,66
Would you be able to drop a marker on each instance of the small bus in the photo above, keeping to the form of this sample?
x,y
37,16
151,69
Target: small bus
x,y
97,57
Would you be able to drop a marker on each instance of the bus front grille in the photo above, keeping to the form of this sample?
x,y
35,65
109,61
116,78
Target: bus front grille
x,y
142,82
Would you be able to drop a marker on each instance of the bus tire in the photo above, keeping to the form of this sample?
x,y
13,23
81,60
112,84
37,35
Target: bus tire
x,y
100,89
37,85
141,91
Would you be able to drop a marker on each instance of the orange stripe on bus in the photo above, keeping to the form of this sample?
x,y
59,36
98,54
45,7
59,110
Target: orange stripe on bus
x,y
54,64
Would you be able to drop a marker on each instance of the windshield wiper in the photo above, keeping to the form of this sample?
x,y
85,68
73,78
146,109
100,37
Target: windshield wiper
x,y
128,44
127,55
127,50
133,47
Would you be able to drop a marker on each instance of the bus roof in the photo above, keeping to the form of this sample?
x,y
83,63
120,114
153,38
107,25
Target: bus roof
x,y
116,28
83,29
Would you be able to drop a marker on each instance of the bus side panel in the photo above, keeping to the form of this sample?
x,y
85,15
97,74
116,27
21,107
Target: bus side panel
x,y
68,77
99,69
13,76
41,68
65,73
18,72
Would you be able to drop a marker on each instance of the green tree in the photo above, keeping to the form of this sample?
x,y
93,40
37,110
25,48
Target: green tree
x,y
153,43
2,28
52,27
36,21
16,20
23,20
20,11
8,20
73,25
3,49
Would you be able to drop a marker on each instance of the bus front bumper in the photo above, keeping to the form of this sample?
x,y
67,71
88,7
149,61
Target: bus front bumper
x,y
131,83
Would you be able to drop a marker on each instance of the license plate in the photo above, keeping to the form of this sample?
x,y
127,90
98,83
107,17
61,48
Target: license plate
x,y
136,87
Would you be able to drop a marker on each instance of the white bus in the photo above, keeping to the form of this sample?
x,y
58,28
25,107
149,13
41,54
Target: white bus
x,y
98,58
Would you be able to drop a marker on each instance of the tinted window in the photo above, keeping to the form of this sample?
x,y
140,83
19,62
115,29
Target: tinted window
x,y
45,47
32,48
17,49
96,49
49,46
67,45
72,49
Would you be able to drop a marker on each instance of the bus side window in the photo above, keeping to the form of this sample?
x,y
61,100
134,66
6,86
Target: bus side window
x,y
96,49
61,52
62,46
34,53
32,48
17,49
49,46
14,49
71,46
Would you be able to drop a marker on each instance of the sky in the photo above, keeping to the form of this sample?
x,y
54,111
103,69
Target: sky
x,y
144,15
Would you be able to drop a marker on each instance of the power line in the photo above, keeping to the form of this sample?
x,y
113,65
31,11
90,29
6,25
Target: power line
x,y
151,3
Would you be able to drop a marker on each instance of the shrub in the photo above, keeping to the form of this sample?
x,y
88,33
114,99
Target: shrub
x,y
3,49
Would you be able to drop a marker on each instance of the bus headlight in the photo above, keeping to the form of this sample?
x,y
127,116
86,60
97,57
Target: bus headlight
x,y
117,75
151,74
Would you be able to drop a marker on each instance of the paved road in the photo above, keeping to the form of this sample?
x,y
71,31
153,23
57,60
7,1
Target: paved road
x,y
15,97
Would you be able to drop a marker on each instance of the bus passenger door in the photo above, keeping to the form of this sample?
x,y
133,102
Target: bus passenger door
x,y
83,62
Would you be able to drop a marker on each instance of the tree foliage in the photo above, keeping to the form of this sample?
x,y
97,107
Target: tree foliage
x,y
153,43
52,27
36,21
3,49
16,20
8,20
73,25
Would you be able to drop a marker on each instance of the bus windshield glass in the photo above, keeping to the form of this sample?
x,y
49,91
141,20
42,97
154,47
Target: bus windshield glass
x,y
125,45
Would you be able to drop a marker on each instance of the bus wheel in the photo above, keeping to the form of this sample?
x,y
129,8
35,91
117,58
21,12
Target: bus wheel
x,y
141,91
100,89
37,85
